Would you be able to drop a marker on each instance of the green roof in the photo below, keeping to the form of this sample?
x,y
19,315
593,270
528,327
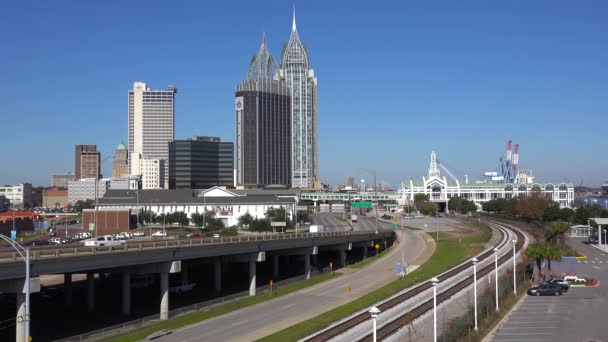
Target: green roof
x,y
121,146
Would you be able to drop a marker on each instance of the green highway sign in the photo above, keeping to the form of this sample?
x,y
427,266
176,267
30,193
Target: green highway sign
x,y
366,205
91,226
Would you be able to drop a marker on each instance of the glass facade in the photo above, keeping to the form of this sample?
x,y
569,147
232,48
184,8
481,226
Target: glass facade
x,y
200,163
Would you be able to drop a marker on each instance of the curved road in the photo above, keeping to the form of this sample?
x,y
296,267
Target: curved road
x,y
257,321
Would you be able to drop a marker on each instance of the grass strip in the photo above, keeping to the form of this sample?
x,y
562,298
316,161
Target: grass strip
x,y
369,259
448,253
198,316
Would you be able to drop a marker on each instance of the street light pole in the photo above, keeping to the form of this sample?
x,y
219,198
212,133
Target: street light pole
x,y
25,255
514,278
475,289
434,281
496,275
374,311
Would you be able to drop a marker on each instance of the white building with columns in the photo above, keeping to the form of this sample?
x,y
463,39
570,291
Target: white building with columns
x,y
228,205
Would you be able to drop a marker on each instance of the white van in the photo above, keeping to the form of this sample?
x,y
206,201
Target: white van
x,y
106,240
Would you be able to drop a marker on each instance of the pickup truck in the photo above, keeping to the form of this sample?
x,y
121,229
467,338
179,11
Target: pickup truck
x,y
182,287
316,229
106,240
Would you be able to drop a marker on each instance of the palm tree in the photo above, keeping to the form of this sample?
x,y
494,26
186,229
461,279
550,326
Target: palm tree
x,y
536,252
552,252
557,229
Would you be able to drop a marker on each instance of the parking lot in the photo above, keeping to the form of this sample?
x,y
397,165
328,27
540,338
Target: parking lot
x,y
577,315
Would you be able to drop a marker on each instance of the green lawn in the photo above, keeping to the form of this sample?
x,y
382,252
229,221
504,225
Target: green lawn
x,y
448,253
199,316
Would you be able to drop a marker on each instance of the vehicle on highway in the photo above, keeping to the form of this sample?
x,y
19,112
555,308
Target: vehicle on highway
x,y
560,282
106,240
37,243
159,233
194,236
546,289
55,241
316,228
82,236
182,287
139,233
353,218
216,235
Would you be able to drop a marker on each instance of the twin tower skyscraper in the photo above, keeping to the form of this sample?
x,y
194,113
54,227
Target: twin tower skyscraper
x,y
276,119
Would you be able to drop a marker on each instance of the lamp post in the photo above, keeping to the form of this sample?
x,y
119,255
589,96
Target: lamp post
x,y
434,281
475,261
25,255
496,275
374,311
514,278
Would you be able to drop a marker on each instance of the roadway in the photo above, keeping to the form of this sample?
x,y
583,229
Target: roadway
x,y
577,315
255,322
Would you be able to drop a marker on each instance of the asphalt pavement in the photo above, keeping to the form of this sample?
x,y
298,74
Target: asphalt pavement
x,y
577,315
257,321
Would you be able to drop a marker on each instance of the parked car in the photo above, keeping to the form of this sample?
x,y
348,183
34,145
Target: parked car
x,y
194,236
55,241
139,233
182,287
159,234
546,289
560,282
216,235
38,243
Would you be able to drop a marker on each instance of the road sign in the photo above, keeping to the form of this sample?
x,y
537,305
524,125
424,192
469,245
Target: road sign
x,y
278,224
396,219
393,225
377,246
91,226
13,234
366,205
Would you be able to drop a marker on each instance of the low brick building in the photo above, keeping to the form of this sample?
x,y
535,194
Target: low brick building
x,y
109,220
55,198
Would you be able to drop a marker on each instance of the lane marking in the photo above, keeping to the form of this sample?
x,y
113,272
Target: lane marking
x,y
551,327
239,323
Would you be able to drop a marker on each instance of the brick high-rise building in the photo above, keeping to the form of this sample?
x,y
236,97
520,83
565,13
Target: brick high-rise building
x,y
120,164
87,162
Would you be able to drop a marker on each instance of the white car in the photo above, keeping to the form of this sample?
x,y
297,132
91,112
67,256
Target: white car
x,y
106,240
216,235
159,234
55,241
574,279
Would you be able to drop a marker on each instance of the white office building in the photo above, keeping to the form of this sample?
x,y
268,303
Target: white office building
x,y
19,195
85,189
151,126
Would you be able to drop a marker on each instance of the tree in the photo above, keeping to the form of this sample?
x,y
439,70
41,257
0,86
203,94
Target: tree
x,y
278,215
148,216
421,197
429,209
552,213
532,207
245,219
468,206
198,219
567,215
552,252
535,251
80,205
260,225
556,230
181,218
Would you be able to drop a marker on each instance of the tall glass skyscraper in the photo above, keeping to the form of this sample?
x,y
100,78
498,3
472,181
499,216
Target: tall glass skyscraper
x,y
302,83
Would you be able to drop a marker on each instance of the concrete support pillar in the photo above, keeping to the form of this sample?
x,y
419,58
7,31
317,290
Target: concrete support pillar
x,y
342,257
126,293
164,295
315,261
217,276
307,265
252,275
365,252
67,289
20,317
275,267
91,291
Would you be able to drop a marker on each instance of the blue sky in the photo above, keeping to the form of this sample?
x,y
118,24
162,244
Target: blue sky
x,y
397,79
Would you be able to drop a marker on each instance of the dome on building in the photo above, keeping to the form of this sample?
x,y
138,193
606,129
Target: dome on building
x,y
121,147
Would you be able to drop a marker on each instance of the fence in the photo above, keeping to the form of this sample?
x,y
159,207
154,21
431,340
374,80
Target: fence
x,y
463,327
143,322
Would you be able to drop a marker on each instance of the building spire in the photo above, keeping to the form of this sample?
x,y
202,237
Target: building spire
x,y
264,46
293,25
433,169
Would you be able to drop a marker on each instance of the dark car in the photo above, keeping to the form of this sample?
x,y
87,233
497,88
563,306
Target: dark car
x,y
559,282
37,243
546,289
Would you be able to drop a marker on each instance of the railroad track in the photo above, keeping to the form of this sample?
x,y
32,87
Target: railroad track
x,y
397,322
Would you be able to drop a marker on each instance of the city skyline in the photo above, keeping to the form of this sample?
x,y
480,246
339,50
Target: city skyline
x,y
500,82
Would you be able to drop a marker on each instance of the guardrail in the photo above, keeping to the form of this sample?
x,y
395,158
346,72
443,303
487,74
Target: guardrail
x,y
38,253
